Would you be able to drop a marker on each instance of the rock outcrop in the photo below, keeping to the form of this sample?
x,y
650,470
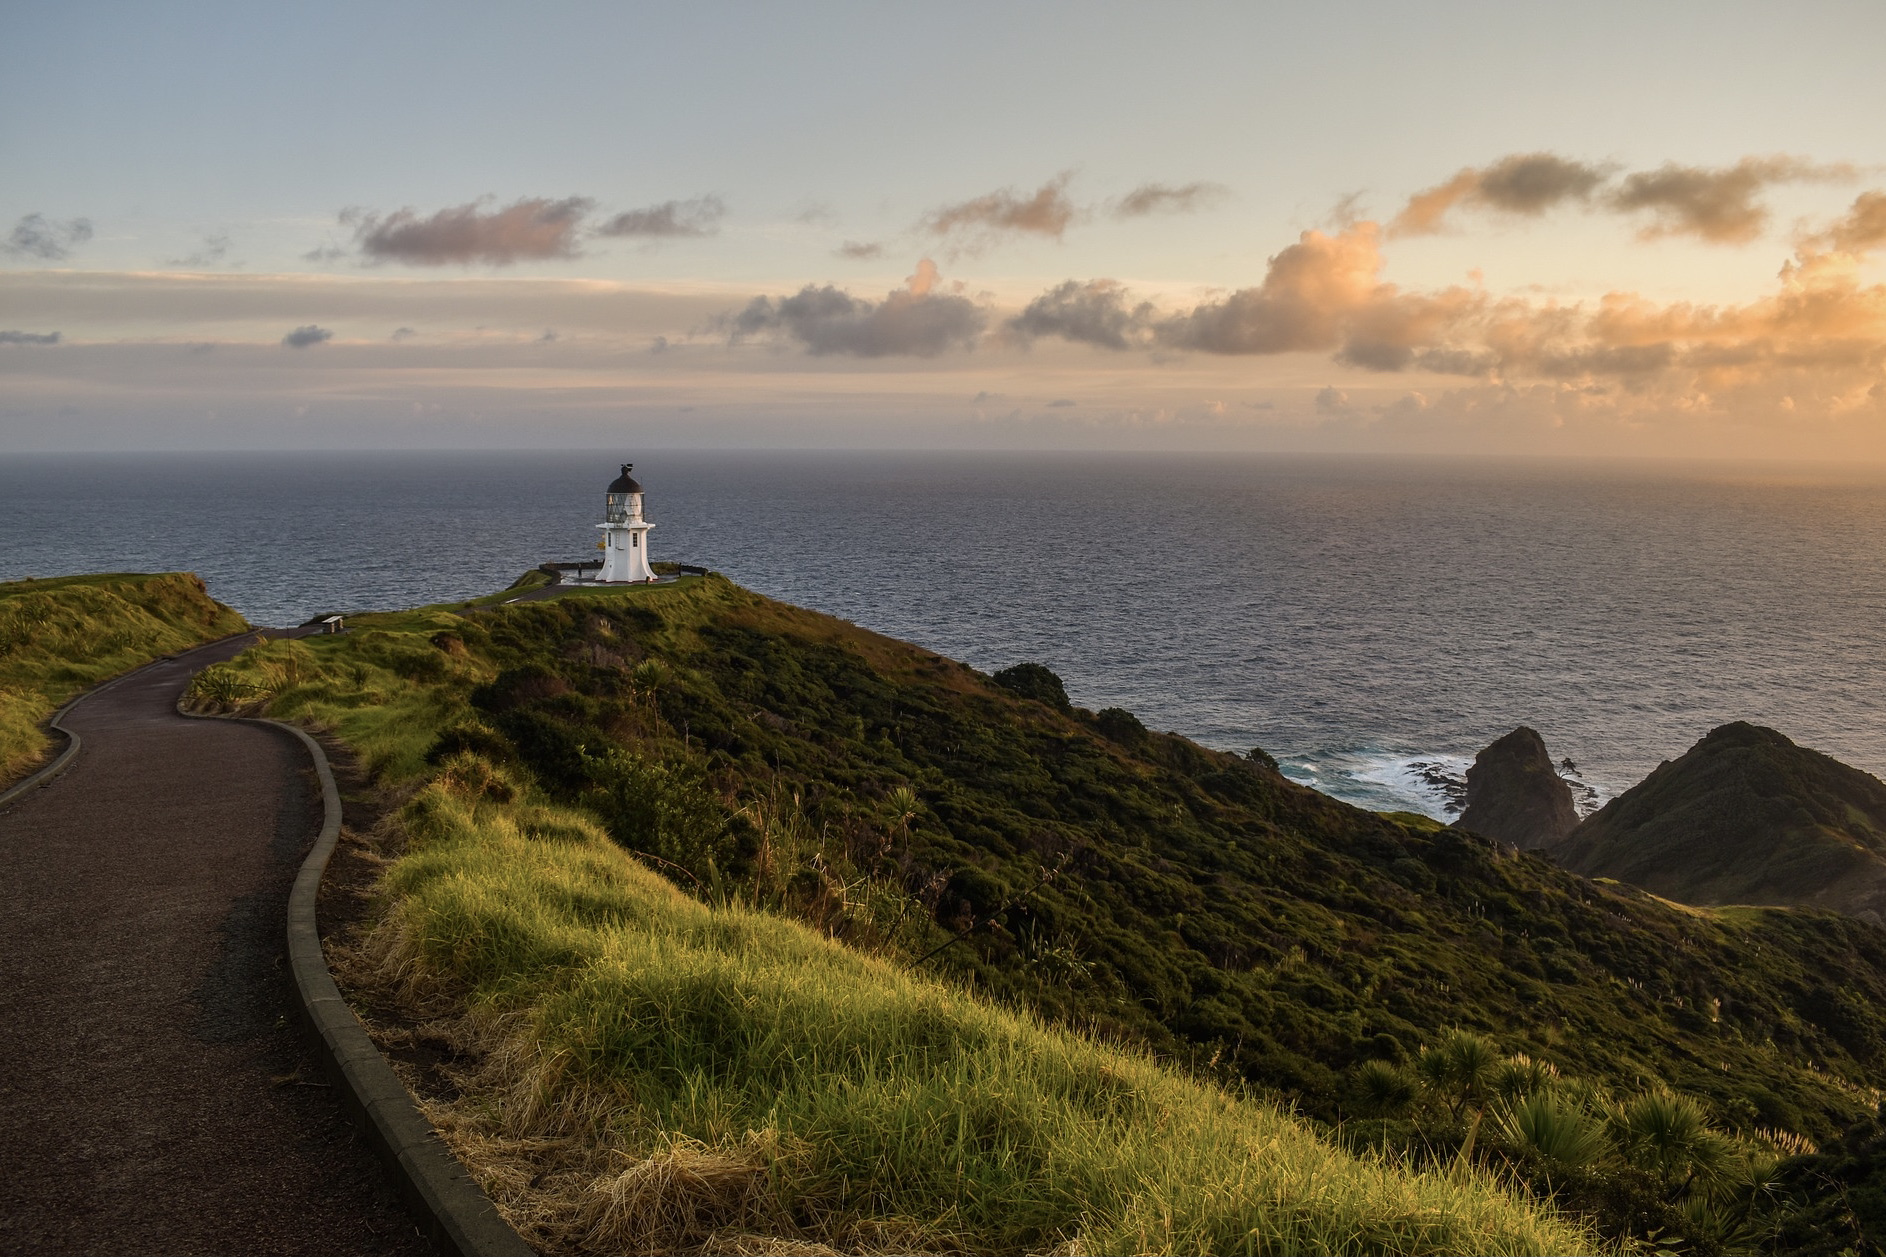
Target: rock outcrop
x,y
1516,795
1745,817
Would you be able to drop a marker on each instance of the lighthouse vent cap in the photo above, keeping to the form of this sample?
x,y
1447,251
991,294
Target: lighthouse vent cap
x,y
625,483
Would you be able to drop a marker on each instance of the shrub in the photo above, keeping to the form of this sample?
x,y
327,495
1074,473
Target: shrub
x,y
1556,1129
1033,680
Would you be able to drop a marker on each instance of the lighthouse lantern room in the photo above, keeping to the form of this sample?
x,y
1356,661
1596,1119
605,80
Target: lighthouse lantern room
x,y
624,533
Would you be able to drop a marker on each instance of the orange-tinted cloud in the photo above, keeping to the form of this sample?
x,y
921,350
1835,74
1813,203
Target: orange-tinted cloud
x,y
1822,334
1308,296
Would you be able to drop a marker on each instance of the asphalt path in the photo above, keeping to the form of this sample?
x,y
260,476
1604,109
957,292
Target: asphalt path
x,y
158,1093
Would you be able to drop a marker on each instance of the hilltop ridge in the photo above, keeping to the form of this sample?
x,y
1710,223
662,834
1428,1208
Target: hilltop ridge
x,y
1744,817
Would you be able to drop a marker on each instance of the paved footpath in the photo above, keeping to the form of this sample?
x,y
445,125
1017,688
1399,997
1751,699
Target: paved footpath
x,y
157,1094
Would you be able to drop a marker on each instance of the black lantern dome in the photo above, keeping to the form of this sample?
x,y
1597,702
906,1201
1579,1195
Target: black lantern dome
x,y
625,483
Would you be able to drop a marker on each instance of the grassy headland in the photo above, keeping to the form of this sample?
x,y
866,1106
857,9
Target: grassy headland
x,y
660,1074
1074,867
58,637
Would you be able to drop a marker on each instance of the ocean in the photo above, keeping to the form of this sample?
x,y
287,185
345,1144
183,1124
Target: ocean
x,y
1370,622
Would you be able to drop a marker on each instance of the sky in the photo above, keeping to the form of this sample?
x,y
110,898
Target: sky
x,y
1604,229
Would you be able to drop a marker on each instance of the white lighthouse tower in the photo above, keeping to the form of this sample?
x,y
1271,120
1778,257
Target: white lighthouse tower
x,y
624,533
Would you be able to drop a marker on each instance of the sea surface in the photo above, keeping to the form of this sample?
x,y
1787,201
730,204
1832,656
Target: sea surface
x,y
1372,623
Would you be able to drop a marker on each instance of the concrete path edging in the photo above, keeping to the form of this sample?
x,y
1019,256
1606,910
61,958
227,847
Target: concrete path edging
x,y
436,1186
44,776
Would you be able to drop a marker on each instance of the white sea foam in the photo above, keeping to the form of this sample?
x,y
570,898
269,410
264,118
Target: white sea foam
x,y
1433,784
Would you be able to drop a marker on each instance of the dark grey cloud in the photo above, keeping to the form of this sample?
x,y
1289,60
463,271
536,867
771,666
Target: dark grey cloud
x,y
214,249
1721,205
210,253
861,250
916,321
1718,205
29,338
697,217
1160,198
402,333
1098,312
533,228
36,236
302,337
1332,401
1522,183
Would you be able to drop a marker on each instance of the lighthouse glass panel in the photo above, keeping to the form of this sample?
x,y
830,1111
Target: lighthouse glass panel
x,y
618,508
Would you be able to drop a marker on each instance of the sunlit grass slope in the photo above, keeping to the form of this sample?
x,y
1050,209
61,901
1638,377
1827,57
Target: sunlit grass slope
x,y
756,1082
58,637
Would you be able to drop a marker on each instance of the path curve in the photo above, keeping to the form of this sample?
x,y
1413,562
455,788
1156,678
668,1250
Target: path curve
x,y
158,1093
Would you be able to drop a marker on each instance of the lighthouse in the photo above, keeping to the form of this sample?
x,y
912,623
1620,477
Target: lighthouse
x,y
624,533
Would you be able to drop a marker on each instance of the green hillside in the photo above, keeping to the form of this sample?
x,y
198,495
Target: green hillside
x,y
58,637
1107,876
1745,817
1425,990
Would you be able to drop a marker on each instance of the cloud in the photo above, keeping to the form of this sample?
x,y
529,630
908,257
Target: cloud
x,y
860,250
1062,403
36,236
697,217
1309,295
1098,312
29,338
1159,198
1862,230
916,321
817,214
534,228
402,333
1528,184
303,337
214,249
978,223
1322,293
1719,205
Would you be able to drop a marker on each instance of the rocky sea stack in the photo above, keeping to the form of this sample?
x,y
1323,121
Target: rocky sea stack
x,y
1746,817
1514,794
